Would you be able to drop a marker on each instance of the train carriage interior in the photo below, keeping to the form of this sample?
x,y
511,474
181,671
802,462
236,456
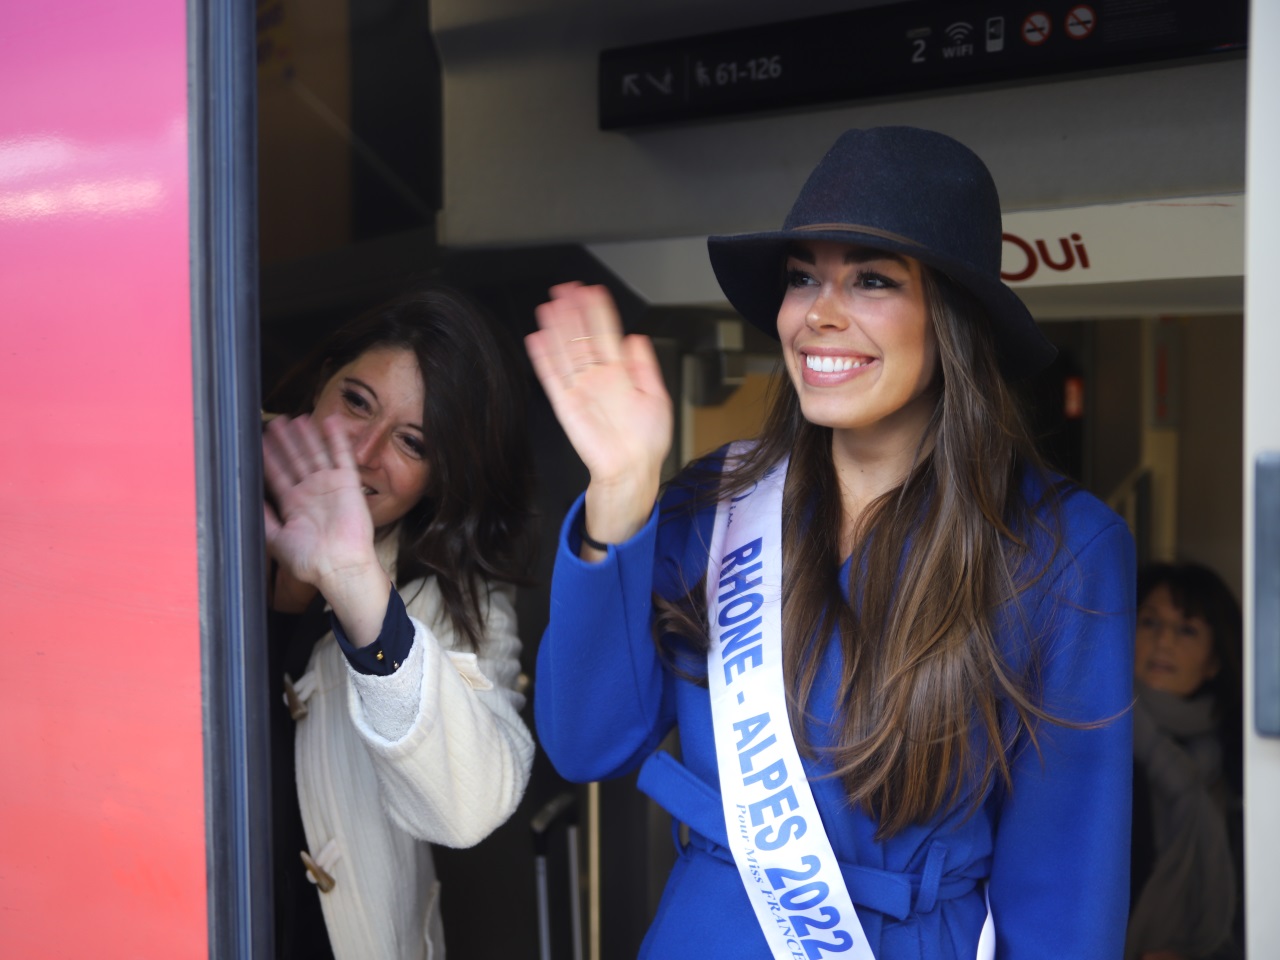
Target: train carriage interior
x,y
410,141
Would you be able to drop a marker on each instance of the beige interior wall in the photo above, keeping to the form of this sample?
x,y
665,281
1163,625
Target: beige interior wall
x,y
1193,455
739,417
304,113
1117,403
1161,433
1210,473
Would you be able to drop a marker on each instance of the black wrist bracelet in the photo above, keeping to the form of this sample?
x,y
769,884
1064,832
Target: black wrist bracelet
x,y
589,540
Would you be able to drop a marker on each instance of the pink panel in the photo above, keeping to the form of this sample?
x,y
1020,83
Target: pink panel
x,y
102,848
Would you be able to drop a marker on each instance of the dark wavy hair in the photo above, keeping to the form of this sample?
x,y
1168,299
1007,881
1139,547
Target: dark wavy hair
x,y
930,705
1198,591
471,524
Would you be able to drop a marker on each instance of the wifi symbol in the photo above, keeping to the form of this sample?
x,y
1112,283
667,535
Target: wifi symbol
x,y
959,32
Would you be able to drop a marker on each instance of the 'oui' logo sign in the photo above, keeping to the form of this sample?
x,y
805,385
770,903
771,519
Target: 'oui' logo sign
x,y
1022,259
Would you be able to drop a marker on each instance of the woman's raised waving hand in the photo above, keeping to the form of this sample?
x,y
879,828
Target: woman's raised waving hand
x,y
607,391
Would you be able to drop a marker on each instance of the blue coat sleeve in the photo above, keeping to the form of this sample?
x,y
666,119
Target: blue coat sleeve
x,y
602,699
384,656
1060,872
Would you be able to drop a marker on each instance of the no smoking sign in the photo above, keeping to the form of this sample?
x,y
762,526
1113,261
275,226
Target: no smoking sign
x,y
1080,21
1035,28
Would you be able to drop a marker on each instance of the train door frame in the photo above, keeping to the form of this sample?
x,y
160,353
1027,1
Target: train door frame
x,y
1261,436
222,141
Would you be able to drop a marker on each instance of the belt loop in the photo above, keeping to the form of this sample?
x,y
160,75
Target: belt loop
x,y
927,898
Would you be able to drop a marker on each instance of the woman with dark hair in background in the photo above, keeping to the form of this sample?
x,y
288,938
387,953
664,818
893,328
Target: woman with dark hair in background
x,y
898,649
1187,744
395,529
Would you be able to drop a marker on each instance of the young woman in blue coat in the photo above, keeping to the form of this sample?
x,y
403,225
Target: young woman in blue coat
x,y
898,650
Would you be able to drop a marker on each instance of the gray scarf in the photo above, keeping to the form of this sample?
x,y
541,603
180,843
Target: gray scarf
x,y
1188,902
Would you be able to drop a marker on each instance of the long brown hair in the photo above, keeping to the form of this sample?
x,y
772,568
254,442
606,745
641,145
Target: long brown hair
x,y
469,527
922,715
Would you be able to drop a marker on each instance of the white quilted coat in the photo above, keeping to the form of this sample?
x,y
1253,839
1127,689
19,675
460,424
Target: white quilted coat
x,y
386,766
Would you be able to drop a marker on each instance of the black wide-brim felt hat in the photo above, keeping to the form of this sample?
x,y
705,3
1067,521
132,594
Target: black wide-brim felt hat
x,y
903,189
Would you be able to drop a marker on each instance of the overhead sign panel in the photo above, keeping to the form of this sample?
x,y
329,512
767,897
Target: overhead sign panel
x,y
903,48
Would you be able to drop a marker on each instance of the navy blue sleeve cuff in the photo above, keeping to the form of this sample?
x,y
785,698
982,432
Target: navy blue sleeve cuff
x,y
384,656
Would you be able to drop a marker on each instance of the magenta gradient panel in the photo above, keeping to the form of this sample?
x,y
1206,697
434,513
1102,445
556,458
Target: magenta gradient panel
x,y
102,843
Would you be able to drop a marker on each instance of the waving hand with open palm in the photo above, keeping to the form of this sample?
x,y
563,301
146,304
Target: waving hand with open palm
x,y
607,392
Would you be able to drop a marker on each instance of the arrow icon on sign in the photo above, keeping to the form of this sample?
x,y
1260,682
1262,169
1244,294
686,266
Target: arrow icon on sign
x,y
663,86
629,87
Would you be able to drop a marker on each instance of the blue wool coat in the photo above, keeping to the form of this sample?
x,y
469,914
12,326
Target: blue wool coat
x,y
1052,852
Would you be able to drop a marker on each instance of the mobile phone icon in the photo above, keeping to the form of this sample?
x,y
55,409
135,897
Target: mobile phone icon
x,y
995,34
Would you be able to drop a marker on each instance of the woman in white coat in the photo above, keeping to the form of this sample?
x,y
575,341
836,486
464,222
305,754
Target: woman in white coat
x,y
397,508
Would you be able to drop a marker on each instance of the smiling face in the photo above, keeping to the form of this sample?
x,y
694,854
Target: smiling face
x,y
378,398
857,340
1172,652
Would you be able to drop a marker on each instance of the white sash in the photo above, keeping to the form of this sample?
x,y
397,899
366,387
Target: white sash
x,y
776,835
